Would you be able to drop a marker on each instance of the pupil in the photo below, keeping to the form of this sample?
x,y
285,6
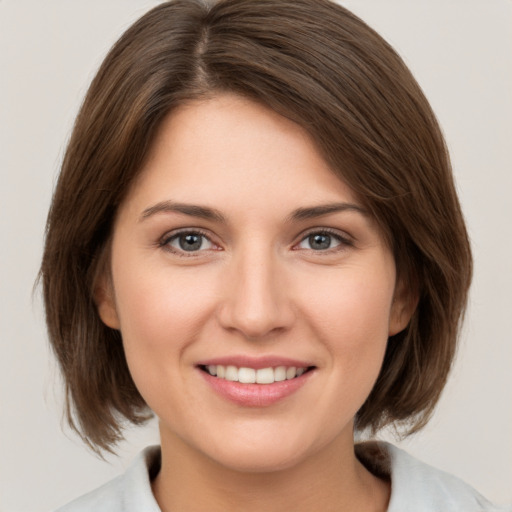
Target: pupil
x,y
320,241
190,242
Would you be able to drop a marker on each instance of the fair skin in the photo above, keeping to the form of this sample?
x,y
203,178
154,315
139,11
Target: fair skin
x,y
238,246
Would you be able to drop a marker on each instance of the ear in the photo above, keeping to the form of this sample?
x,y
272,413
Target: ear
x,y
105,302
405,302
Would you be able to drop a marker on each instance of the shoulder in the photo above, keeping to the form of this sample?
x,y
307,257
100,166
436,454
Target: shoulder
x,y
129,492
420,487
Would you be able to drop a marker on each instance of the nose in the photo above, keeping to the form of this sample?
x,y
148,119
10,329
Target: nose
x,y
256,301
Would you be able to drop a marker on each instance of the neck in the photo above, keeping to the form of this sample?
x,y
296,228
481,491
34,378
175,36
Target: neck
x,y
331,480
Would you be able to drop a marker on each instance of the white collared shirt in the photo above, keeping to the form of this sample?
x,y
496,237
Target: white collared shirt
x,y
415,486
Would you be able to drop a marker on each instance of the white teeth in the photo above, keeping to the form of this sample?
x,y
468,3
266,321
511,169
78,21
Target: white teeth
x,y
280,373
250,375
247,375
265,376
291,372
232,373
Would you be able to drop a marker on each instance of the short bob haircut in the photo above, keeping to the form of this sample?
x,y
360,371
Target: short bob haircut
x,y
317,64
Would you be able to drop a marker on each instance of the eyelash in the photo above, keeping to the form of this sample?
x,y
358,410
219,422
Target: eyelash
x,y
164,243
169,237
344,241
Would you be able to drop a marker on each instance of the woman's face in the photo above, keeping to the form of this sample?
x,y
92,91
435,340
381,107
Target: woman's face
x,y
239,253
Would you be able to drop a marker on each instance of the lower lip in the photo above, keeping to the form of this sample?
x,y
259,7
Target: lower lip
x,y
255,395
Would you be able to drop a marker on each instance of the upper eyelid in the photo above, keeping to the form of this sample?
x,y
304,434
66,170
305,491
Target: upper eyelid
x,y
164,241
175,232
342,235
345,240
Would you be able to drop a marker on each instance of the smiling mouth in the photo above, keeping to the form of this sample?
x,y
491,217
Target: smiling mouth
x,y
246,375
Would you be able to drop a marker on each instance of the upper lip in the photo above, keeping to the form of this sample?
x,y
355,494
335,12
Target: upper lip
x,y
243,361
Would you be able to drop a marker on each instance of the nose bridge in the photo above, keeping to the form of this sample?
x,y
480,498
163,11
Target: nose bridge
x,y
256,301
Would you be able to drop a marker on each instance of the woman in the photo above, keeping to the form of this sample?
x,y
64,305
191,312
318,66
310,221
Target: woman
x,y
255,235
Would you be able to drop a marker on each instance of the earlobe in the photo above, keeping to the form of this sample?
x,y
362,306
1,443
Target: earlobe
x,y
405,302
104,299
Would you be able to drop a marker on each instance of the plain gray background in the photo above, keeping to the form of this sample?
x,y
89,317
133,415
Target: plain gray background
x,y
460,51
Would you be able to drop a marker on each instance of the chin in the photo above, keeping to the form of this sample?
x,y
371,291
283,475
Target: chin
x,y
260,450
257,459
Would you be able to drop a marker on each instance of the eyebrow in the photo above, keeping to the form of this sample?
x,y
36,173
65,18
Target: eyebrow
x,y
202,212
318,211
207,213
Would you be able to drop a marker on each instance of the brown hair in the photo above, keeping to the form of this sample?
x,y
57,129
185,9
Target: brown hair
x,y
317,64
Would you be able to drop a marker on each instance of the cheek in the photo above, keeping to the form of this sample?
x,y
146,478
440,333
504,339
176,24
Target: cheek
x,y
160,313
152,300
354,303
160,317
352,321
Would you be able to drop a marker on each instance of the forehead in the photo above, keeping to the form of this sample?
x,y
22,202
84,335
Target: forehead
x,y
228,149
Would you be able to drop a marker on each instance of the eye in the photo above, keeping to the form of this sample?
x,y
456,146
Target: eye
x,y
188,241
322,241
